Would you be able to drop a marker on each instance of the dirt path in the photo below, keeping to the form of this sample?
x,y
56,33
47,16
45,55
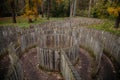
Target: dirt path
x,y
4,67
107,71
84,65
31,70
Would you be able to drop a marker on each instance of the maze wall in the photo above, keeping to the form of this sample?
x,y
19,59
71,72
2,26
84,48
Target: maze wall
x,y
51,38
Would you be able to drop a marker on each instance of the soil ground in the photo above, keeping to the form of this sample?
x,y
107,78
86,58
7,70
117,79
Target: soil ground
x,y
86,64
32,71
84,67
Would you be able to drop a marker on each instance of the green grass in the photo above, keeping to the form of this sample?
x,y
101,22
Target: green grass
x,y
107,25
23,22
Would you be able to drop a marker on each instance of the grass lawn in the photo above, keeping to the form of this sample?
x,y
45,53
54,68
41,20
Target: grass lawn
x,y
107,25
23,22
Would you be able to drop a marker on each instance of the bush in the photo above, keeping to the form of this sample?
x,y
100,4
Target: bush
x,y
83,13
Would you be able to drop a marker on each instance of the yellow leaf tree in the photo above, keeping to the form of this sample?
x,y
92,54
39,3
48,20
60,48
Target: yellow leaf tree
x,y
31,9
115,11
36,6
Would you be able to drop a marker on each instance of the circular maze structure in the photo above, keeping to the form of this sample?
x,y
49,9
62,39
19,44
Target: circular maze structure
x,y
59,50
53,41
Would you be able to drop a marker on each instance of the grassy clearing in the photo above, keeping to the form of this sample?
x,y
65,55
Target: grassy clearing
x,y
22,22
107,25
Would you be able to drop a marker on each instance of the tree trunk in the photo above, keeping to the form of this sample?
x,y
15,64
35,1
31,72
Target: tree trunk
x,y
42,8
117,21
48,10
71,8
14,16
30,20
74,13
89,12
37,13
12,4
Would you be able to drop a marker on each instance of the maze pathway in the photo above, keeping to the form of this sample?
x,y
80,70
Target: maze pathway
x,y
31,70
86,64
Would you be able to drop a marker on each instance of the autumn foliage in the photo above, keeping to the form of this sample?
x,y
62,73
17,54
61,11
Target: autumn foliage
x,y
31,9
114,11
59,1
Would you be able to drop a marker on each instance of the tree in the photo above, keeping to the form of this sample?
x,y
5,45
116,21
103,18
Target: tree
x,y
115,10
36,6
89,11
48,9
31,9
13,10
42,7
72,8
74,12
59,1
59,8
99,9
82,8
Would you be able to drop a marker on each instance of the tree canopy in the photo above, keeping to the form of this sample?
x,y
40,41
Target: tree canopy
x,y
32,9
